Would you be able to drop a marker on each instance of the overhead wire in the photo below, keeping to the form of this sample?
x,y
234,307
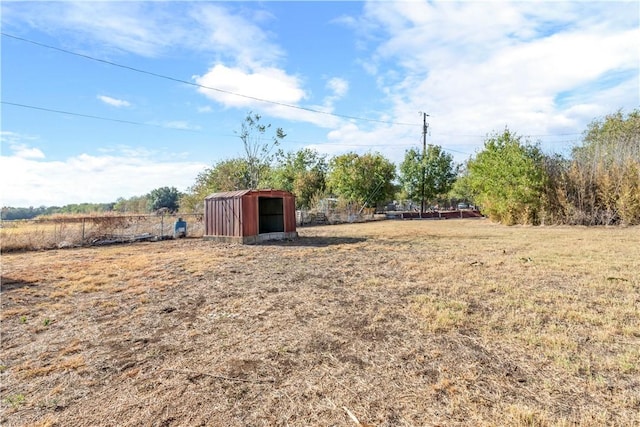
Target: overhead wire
x,y
162,76
70,113
402,145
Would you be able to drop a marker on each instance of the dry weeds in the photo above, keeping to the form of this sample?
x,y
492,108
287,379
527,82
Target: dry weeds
x,y
414,323
68,230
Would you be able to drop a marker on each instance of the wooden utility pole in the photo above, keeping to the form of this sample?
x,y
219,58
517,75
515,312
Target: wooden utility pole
x,y
425,126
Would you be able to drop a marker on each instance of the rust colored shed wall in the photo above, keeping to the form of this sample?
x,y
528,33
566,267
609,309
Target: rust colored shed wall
x,y
223,217
289,214
250,211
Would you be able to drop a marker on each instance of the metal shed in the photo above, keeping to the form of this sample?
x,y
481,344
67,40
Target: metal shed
x,y
250,216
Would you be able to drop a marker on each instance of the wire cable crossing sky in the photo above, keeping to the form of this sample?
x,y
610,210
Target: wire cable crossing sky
x,y
206,87
336,76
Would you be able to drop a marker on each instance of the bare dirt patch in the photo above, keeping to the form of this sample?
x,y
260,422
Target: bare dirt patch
x,y
395,323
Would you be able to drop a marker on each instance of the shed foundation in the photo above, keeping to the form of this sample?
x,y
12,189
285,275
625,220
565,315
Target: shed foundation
x,y
249,240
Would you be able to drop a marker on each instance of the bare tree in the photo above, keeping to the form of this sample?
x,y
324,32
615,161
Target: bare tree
x,y
258,147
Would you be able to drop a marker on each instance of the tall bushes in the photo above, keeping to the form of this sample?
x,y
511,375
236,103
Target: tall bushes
x,y
599,184
508,179
605,172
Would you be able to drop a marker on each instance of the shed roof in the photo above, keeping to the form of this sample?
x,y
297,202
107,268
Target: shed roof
x,y
227,194
240,193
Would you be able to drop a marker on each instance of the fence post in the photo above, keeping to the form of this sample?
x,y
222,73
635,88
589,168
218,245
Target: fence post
x,y
83,219
161,226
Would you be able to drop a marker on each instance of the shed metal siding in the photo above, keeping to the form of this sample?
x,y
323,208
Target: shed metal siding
x,y
229,212
289,213
223,213
250,215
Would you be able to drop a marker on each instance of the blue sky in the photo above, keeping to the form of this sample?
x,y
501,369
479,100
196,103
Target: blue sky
x,y
360,74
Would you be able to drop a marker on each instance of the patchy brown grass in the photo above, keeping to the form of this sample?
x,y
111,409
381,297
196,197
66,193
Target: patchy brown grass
x,y
391,323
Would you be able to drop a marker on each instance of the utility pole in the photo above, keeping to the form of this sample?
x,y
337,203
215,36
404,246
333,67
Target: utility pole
x,y
425,126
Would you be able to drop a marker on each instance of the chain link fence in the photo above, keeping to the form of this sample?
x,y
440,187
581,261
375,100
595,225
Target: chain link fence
x,y
65,232
335,216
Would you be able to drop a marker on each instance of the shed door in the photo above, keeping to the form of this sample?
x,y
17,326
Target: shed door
x,y
271,214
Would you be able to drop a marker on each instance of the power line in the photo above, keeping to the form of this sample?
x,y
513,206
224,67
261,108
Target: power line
x,y
234,94
556,134
395,145
489,135
70,113
162,76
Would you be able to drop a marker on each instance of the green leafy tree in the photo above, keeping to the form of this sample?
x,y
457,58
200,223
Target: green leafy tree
x,y
135,204
302,172
83,208
508,179
435,172
164,197
226,175
258,148
461,188
10,213
364,179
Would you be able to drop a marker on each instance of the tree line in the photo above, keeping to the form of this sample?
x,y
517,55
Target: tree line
x,y
11,213
510,178
166,198
357,180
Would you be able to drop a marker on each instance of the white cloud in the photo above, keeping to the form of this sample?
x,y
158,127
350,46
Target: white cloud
x,y
474,66
390,141
113,101
254,72
338,86
246,59
181,125
262,84
10,138
137,27
121,171
151,28
24,152
235,37
19,149
89,178
478,66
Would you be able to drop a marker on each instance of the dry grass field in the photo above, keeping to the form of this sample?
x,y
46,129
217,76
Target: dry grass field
x,y
391,323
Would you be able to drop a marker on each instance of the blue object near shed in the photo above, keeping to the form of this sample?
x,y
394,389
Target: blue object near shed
x,y
180,228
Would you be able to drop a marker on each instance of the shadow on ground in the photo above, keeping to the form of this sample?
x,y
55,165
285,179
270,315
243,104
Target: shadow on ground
x,y
9,284
316,241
